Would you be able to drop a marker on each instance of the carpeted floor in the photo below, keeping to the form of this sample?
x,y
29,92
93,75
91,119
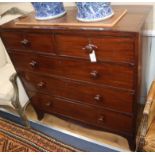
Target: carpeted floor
x,y
62,136
15,138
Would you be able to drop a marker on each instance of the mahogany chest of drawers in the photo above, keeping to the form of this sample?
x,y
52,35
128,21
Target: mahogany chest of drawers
x,y
59,77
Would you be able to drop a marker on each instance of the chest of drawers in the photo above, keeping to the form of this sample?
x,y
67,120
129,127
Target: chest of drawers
x,y
55,68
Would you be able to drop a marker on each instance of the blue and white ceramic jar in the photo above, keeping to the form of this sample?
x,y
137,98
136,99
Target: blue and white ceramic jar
x,y
48,10
93,11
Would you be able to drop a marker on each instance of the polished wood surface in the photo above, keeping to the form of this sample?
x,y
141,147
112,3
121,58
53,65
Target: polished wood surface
x,y
70,20
108,48
80,92
84,113
117,75
55,67
28,41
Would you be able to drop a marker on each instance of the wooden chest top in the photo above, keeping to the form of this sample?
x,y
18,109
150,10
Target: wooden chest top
x,y
131,22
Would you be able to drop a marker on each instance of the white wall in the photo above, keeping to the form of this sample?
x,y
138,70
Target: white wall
x,y
151,68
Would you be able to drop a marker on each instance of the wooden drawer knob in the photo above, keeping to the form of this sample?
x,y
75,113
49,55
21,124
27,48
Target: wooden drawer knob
x,y
33,64
101,119
89,48
48,104
25,43
41,84
94,74
98,98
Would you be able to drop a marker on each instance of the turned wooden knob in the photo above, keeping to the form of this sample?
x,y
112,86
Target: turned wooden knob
x,y
101,119
33,64
89,48
48,104
94,74
25,42
41,84
98,98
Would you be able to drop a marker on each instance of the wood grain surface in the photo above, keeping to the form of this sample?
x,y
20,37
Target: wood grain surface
x,y
70,20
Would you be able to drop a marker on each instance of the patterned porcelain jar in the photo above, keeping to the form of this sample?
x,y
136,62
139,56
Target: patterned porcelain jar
x,y
93,11
48,10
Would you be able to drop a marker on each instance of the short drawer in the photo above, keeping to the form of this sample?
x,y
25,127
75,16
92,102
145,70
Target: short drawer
x,y
104,97
40,42
83,113
110,74
107,48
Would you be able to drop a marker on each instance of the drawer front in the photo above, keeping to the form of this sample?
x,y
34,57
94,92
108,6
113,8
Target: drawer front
x,y
86,94
30,41
98,73
83,113
108,48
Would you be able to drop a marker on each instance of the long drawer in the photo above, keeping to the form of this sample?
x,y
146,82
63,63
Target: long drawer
x,y
40,42
107,48
105,97
82,113
115,75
